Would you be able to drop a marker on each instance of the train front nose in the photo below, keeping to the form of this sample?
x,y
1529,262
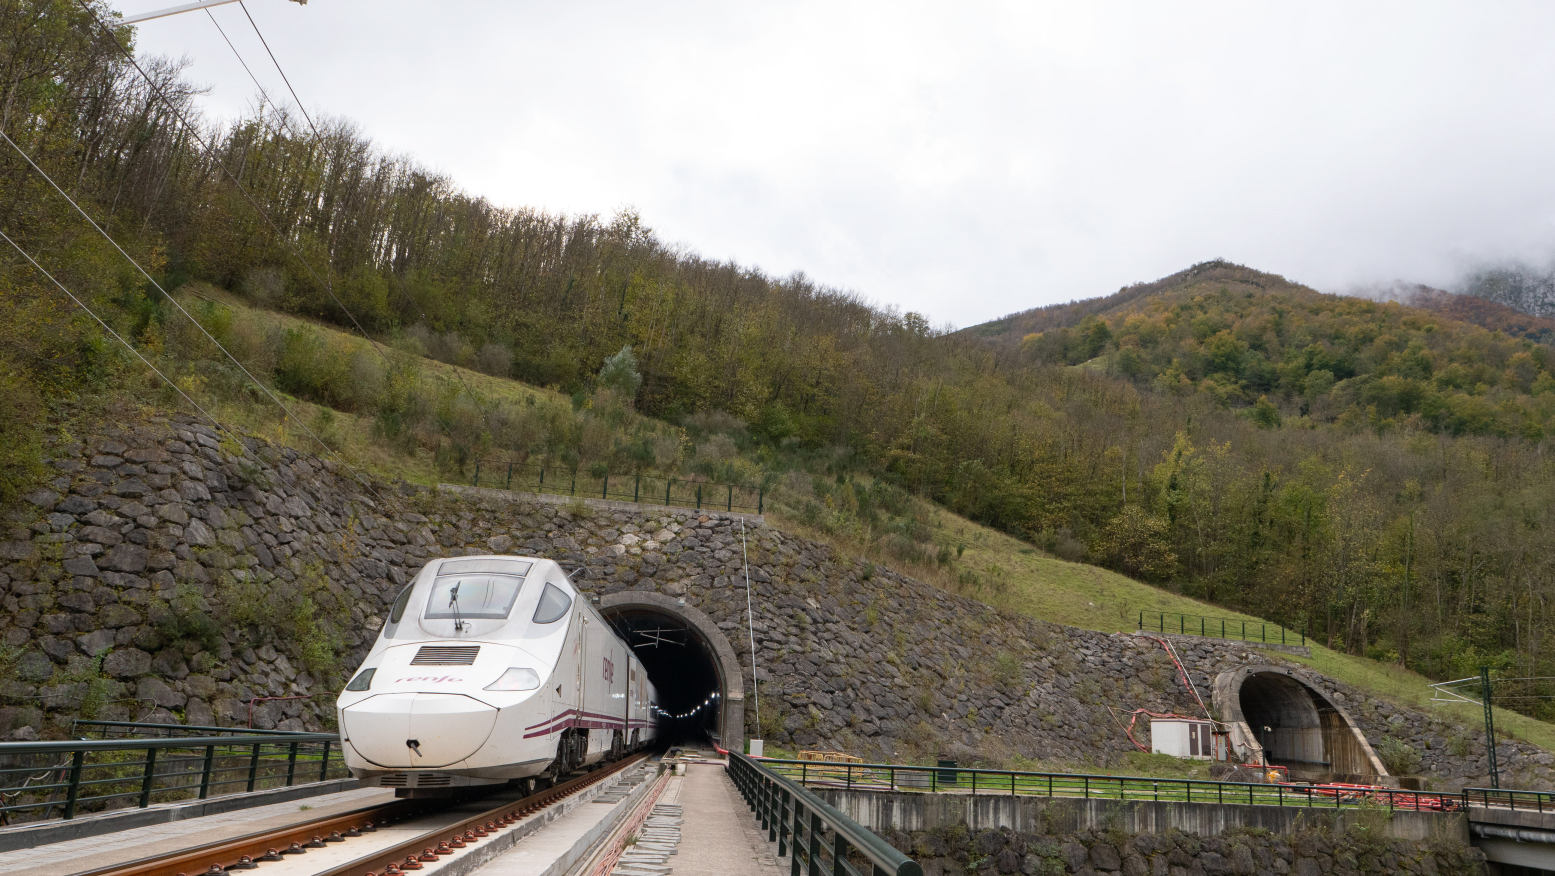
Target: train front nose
x,y
418,730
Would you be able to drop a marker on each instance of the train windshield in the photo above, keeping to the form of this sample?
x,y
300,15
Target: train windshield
x,y
470,597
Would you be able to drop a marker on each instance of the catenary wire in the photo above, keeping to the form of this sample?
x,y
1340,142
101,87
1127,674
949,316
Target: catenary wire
x,y
186,313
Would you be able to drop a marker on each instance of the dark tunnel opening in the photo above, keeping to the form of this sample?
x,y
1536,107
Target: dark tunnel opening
x,y
1301,730
681,665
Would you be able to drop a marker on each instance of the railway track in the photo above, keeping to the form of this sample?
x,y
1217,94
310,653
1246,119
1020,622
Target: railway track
x,y
253,851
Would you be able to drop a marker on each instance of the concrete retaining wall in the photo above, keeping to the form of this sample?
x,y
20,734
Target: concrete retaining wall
x,y
1064,815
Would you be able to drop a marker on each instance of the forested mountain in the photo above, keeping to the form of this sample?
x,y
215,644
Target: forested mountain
x,y
1376,473
1483,312
1519,287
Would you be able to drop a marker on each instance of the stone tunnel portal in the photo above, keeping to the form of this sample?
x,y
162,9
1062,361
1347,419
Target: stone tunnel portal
x,y
690,662
1292,725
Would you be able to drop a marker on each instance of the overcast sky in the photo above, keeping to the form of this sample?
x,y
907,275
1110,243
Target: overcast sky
x,y
965,160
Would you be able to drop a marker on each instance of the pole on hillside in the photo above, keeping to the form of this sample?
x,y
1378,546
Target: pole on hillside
x,y
1490,726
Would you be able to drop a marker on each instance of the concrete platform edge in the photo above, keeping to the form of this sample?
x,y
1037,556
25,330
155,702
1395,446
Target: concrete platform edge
x,y
485,854
27,836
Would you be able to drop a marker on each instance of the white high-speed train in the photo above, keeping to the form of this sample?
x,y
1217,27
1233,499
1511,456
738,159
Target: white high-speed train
x,y
492,669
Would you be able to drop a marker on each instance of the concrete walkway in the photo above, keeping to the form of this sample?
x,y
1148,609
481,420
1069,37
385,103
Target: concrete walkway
x,y
720,836
90,853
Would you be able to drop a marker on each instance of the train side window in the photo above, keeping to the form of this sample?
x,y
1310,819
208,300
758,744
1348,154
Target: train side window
x,y
553,606
397,613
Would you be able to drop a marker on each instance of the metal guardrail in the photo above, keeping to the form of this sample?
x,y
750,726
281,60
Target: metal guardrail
x,y
1007,783
147,730
1219,628
1494,798
642,489
102,774
819,837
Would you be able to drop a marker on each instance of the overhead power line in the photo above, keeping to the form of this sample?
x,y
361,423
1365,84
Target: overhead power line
x,y
158,286
211,153
237,439
266,43
319,138
265,95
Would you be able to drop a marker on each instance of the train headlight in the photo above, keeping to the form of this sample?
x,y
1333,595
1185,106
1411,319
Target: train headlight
x,y
516,679
363,680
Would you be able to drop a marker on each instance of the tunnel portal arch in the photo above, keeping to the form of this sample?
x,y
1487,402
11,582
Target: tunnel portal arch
x,y
627,610
1275,717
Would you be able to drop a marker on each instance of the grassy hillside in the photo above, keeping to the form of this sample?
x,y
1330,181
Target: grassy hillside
x,y
809,494
1012,575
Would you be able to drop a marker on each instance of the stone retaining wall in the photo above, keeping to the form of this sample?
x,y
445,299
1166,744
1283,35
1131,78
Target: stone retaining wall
x,y
204,579
957,851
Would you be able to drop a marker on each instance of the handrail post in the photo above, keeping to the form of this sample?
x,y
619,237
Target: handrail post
x,y
291,765
253,767
205,775
815,844
779,832
150,776
839,854
324,763
77,762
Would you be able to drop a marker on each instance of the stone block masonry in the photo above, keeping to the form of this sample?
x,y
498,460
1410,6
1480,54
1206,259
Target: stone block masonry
x,y
206,582
1112,851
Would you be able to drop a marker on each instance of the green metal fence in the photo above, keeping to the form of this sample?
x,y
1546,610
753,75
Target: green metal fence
x,y
557,480
818,838
943,780
38,779
1219,628
81,728
1495,798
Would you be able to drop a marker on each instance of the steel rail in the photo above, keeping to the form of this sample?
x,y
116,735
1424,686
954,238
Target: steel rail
x,y
480,825
228,852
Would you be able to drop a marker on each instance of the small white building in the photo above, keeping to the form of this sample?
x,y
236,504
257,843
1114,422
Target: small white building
x,y
1188,737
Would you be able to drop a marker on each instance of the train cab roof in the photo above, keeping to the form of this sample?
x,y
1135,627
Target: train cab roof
x,y
494,598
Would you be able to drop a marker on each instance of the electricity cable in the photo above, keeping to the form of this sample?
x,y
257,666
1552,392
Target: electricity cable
x,y
266,44
262,93
320,137
186,313
131,347
297,100
109,329
210,152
